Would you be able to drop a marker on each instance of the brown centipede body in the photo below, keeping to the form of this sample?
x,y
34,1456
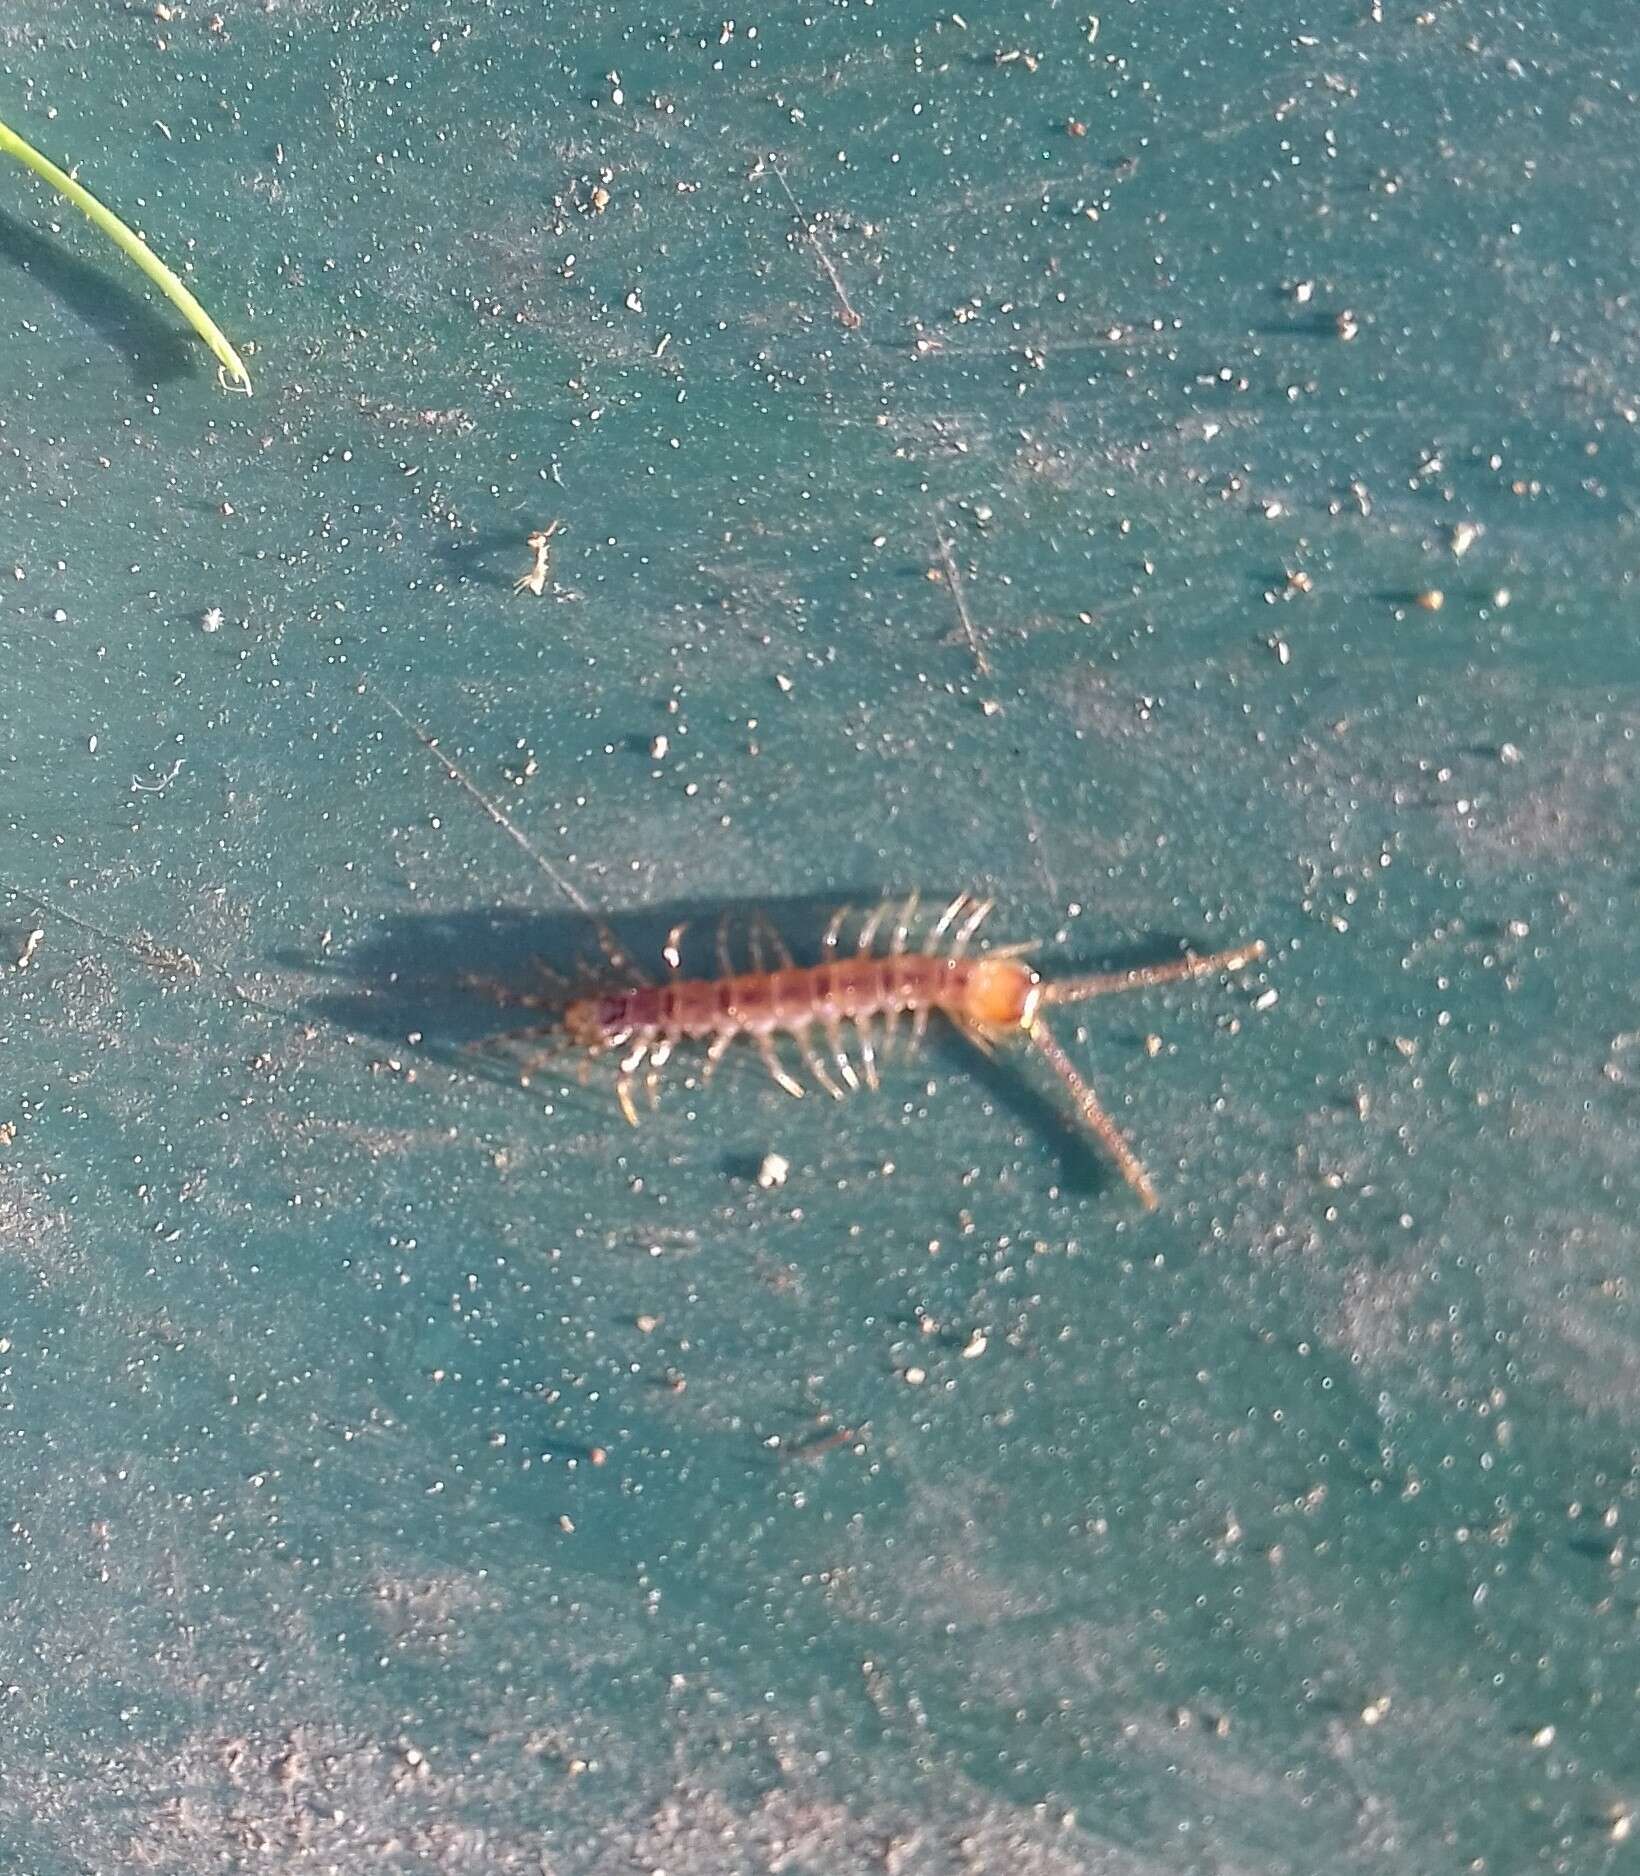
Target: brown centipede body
x,y
842,1015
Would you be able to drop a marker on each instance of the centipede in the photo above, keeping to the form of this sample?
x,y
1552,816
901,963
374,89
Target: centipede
x,y
837,1020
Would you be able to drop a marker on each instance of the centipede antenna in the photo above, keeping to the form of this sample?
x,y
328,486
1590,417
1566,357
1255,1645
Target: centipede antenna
x,y
1091,1113
953,579
146,950
847,317
619,958
1147,976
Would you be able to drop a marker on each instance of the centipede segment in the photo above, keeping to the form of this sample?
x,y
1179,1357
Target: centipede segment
x,y
838,1019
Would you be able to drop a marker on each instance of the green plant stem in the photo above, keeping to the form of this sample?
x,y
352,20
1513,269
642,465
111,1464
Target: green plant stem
x,y
134,246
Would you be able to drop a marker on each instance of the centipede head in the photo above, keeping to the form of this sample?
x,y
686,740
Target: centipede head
x,y
596,1022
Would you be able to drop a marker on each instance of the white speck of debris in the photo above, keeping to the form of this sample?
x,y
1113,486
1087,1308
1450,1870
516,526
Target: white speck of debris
x,y
915,1377
976,1345
1464,536
1375,1710
1543,1738
633,303
1268,1000
658,747
782,680
1510,755
211,621
1304,292
774,1171
91,745
1622,1823
1273,511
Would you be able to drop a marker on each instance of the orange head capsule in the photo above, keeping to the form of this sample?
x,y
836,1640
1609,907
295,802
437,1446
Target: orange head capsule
x,y
1001,993
598,1022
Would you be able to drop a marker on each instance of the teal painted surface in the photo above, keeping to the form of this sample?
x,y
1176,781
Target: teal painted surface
x,y
1289,1530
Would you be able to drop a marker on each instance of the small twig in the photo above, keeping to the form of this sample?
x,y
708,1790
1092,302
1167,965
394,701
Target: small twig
x,y
847,317
161,957
165,781
823,1443
982,664
539,544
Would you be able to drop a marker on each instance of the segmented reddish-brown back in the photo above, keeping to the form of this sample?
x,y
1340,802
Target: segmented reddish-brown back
x,y
761,1002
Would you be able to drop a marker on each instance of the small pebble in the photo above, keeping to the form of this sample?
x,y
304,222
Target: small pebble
x,y
1543,1738
1432,599
774,1171
975,1346
1509,755
1464,536
658,747
915,1377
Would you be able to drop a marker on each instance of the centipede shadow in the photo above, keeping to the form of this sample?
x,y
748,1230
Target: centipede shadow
x,y
442,982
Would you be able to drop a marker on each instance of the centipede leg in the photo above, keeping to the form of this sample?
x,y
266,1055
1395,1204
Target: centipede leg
x,y
869,930
839,1053
659,1056
868,1055
834,930
812,1061
630,1064
726,968
903,924
771,1061
891,1028
943,924
716,1050
672,950
762,928
980,912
